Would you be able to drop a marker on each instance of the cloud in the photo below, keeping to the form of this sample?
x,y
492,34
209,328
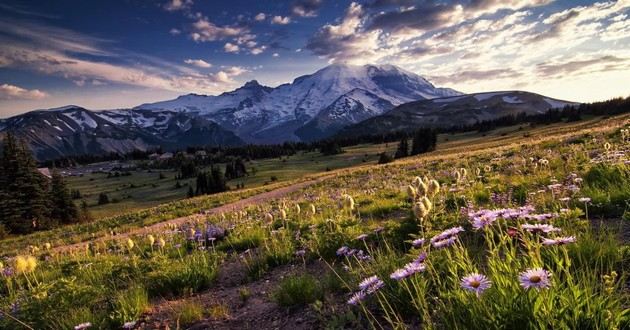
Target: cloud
x,y
342,41
198,63
231,48
53,51
260,17
475,75
12,92
258,50
175,31
306,8
604,63
175,5
204,30
280,20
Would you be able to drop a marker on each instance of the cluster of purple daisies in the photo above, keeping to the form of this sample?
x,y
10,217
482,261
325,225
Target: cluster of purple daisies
x,y
367,287
345,251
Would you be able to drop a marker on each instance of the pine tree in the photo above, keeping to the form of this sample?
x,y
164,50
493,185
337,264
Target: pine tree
x,y
403,148
62,207
23,202
424,140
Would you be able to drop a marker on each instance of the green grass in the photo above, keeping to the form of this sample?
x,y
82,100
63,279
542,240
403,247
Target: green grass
x,y
109,283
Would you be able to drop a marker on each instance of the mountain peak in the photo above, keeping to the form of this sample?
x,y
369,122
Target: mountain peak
x,y
251,83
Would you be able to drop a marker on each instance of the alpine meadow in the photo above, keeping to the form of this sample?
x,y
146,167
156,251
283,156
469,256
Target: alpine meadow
x,y
315,164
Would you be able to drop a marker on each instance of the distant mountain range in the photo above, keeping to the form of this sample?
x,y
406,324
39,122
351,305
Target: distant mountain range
x,y
338,98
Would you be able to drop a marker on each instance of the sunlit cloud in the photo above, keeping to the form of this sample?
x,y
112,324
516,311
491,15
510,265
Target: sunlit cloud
x,y
12,92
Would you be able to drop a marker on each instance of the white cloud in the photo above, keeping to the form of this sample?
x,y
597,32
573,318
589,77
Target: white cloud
x,y
276,55
204,30
175,31
231,48
198,63
258,50
260,17
174,5
12,92
280,20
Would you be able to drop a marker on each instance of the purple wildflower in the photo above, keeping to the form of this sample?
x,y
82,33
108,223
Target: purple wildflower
x,y
83,326
447,233
417,242
559,240
362,237
536,278
399,274
357,297
375,287
539,228
421,258
480,222
342,251
476,283
368,282
445,242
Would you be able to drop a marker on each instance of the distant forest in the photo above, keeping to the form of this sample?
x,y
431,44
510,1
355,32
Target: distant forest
x,y
334,144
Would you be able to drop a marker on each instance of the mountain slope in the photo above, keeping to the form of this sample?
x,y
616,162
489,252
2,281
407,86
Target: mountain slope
x,y
74,130
260,114
456,110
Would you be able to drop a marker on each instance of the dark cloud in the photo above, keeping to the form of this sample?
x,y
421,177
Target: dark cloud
x,y
609,62
425,16
306,8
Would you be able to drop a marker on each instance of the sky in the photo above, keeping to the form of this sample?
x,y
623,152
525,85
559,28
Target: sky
x,y
118,54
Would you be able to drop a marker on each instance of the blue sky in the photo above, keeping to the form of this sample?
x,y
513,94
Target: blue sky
x,y
113,54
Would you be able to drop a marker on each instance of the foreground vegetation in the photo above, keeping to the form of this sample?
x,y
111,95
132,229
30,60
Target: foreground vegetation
x,y
472,236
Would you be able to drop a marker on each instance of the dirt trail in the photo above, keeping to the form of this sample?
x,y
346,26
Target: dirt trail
x,y
262,197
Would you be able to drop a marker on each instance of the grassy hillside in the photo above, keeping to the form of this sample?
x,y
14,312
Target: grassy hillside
x,y
144,189
360,249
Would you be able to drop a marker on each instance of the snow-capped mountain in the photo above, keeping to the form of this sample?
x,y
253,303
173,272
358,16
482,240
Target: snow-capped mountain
x,y
312,106
338,99
455,110
72,130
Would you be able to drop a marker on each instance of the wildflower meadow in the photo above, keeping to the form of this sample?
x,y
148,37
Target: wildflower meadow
x,y
526,236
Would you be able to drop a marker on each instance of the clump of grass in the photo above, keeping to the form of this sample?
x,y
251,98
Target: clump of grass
x,y
244,294
193,274
190,312
607,185
128,305
219,311
297,291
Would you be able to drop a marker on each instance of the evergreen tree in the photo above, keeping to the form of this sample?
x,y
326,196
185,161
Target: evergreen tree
x,y
23,202
191,193
62,207
403,148
103,198
424,140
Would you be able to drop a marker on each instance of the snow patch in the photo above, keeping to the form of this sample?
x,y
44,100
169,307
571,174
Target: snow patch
x,y
555,103
512,99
